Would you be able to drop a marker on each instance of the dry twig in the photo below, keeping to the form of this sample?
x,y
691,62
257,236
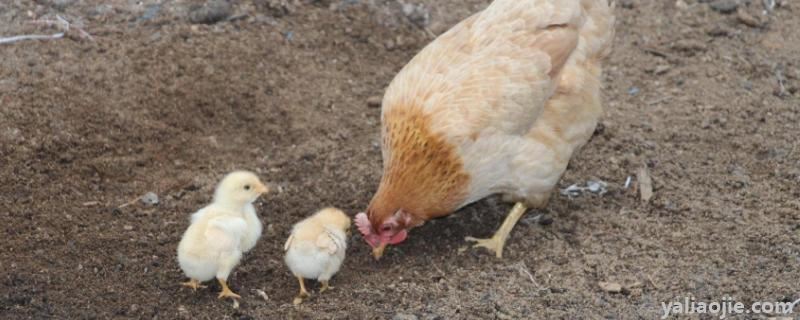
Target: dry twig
x,y
60,23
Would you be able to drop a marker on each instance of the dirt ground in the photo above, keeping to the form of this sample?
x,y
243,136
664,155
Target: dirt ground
x,y
167,100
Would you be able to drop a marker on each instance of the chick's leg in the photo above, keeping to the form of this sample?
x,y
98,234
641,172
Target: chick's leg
x,y
303,293
325,286
193,283
227,261
226,292
498,241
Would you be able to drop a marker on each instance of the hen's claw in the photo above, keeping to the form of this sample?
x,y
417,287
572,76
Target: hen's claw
x,y
498,241
492,244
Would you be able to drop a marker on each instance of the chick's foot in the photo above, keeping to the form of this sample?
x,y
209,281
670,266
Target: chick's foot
x,y
194,284
303,293
325,287
226,292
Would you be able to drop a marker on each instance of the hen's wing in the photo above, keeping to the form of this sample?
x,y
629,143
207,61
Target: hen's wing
x,y
494,70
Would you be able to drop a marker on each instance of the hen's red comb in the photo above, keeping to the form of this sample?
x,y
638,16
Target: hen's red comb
x,y
363,224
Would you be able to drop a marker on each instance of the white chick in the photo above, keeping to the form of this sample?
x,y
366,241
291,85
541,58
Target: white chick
x,y
219,233
316,248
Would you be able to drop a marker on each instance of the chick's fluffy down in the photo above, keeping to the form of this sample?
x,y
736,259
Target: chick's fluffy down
x,y
211,247
317,245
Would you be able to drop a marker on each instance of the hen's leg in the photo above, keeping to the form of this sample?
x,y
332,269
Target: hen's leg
x,y
303,293
496,242
193,283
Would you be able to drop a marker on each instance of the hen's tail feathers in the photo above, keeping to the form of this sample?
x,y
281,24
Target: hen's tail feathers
x,y
597,32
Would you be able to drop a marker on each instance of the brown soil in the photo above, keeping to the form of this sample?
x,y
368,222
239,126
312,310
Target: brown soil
x,y
159,104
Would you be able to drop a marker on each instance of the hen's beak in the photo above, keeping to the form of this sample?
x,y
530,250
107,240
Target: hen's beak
x,y
377,252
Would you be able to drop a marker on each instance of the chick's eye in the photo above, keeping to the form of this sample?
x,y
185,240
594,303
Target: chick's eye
x,y
247,187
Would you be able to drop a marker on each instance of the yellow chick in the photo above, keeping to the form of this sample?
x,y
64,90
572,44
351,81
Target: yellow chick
x,y
219,233
316,248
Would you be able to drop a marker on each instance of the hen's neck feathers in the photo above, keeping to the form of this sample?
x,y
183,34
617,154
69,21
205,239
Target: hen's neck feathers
x,y
423,174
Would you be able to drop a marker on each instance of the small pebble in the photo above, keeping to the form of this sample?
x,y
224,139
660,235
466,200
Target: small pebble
x,y
724,6
662,69
417,14
150,12
150,198
628,4
211,12
374,101
748,20
689,45
610,287
404,316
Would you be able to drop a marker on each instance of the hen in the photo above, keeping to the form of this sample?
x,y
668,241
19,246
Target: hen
x,y
496,105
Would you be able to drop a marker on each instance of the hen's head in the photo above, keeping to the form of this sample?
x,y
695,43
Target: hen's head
x,y
380,230
423,178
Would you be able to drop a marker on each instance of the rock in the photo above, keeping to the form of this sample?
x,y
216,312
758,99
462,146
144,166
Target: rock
x,y
211,12
661,69
739,177
374,101
150,12
128,227
627,4
719,31
150,198
596,186
645,184
417,14
610,287
101,10
389,45
724,6
60,5
404,316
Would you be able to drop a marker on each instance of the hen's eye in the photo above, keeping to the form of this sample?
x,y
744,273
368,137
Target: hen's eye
x,y
386,228
247,187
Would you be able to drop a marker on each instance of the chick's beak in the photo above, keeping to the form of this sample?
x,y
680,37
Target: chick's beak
x,y
262,189
377,252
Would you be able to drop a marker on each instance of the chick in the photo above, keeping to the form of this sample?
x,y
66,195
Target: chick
x,y
219,233
316,248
